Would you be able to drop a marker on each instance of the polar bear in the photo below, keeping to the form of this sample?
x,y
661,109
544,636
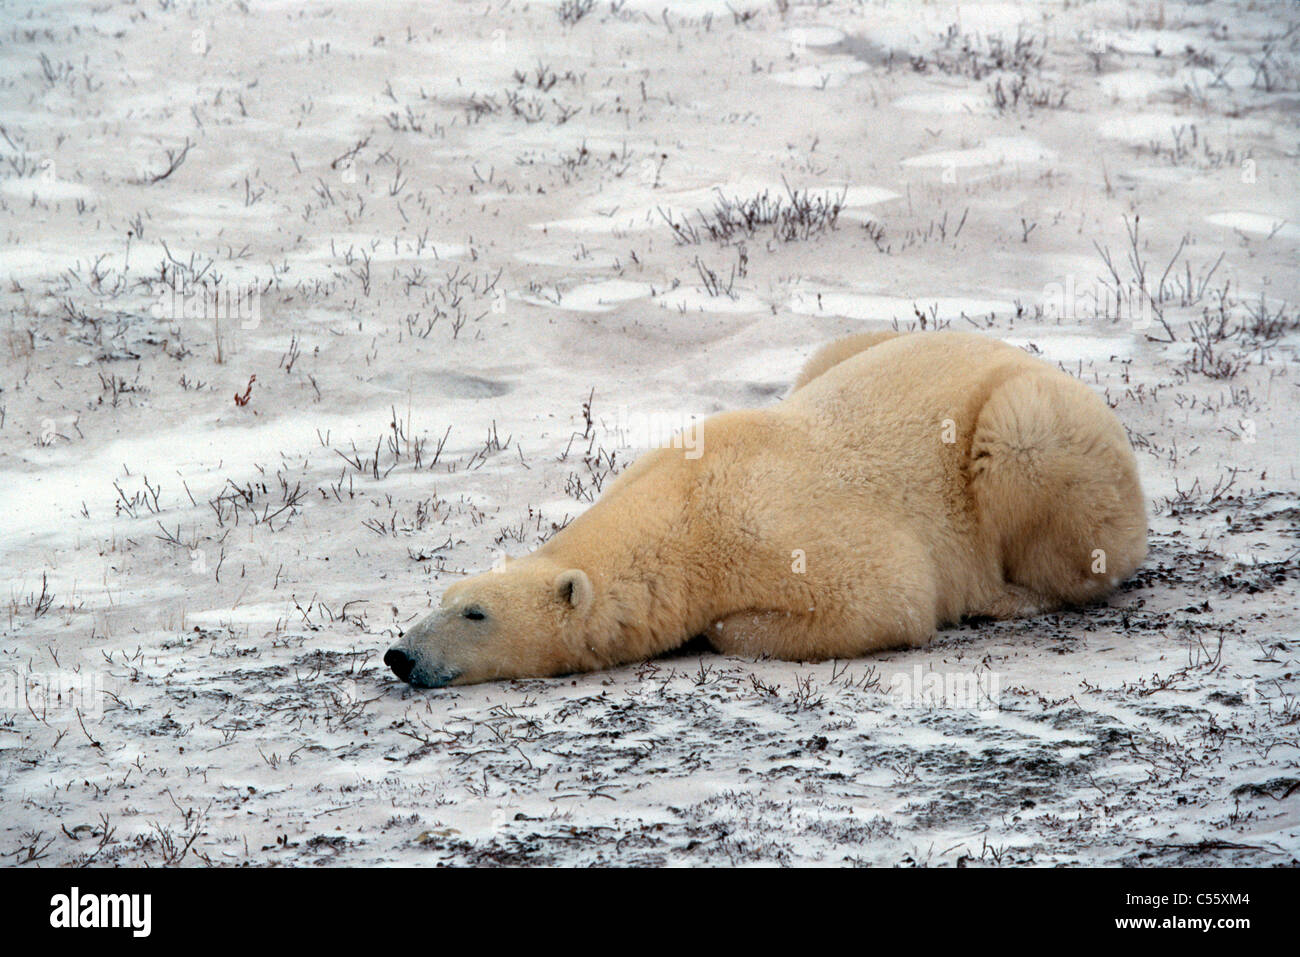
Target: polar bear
x,y
907,481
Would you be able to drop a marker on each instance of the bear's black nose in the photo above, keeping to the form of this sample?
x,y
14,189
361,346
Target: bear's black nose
x,y
401,663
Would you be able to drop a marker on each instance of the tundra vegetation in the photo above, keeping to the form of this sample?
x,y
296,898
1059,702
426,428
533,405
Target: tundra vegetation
x,y
308,313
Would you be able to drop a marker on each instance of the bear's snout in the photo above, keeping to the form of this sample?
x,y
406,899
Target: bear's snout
x,y
401,663
416,663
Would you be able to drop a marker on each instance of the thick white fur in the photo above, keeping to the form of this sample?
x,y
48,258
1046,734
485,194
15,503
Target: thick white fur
x,y
907,481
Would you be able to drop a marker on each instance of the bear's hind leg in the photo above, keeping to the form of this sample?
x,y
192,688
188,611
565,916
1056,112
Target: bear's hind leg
x,y
1056,487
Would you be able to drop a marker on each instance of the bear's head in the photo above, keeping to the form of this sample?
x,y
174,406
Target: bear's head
x,y
527,618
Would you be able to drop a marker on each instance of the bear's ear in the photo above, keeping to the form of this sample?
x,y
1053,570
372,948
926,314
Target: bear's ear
x,y
574,587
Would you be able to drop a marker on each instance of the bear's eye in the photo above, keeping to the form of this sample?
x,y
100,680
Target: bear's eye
x,y
473,613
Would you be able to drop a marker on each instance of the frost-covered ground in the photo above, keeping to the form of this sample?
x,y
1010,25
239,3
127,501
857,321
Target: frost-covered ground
x,y
469,251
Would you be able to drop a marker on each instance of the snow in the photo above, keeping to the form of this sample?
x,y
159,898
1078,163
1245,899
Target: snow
x,y
1255,223
449,261
996,151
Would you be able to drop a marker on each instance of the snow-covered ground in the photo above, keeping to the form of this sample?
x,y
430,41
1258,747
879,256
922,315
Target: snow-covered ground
x,y
469,251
